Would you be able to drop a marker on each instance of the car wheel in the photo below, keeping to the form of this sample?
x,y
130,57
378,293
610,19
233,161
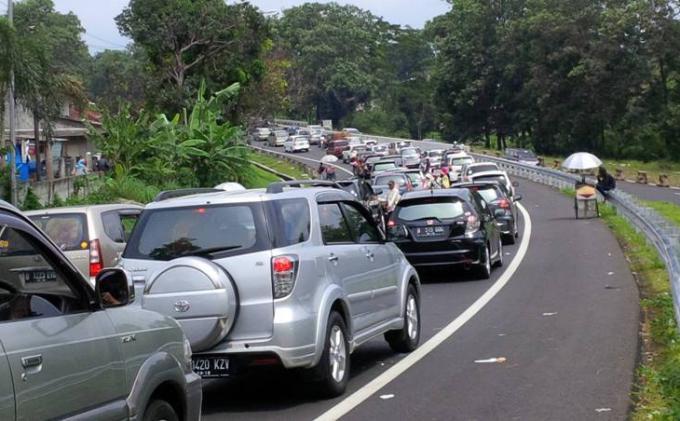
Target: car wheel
x,y
407,338
332,373
499,262
484,268
511,238
160,410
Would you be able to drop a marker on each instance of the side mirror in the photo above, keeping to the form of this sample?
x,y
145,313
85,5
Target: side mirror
x,y
515,184
517,197
114,288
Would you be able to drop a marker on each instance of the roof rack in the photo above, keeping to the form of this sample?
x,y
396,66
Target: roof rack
x,y
279,186
172,194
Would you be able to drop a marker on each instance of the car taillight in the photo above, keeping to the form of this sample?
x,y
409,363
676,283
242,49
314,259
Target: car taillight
x,y
96,264
472,225
396,231
504,203
284,272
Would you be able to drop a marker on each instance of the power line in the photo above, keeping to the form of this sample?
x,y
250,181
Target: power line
x,y
91,35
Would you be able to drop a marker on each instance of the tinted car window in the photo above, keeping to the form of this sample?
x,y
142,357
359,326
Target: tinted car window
x,y
30,284
363,231
334,228
117,226
440,208
481,168
290,221
165,234
489,194
384,166
67,230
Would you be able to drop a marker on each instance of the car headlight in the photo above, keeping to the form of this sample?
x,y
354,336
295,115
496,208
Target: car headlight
x,y
187,355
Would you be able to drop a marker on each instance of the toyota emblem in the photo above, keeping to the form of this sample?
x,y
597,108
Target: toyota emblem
x,y
182,306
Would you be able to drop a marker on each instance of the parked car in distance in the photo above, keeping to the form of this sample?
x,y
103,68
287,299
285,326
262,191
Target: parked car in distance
x,y
296,144
262,133
382,166
410,157
446,227
352,150
73,351
370,142
434,157
381,181
336,147
468,170
316,136
379,149
502,204
396,147
415,176
92,237
456,162
278,137
523,156
350,131
275,278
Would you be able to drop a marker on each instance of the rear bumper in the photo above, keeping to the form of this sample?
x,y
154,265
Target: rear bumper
x,y
194,396
506,225
457,252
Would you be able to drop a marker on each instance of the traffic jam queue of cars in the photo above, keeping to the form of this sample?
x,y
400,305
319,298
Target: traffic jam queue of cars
x,y
128,308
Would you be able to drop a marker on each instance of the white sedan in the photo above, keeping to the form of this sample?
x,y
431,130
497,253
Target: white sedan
x,y
296,144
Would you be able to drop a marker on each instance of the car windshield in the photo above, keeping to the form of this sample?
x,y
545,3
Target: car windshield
x,y
431,208
489,194
67,230
481,168
528,155
409,153
166,234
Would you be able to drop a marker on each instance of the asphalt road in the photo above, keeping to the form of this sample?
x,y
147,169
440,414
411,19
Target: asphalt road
x,y
566,323
647,192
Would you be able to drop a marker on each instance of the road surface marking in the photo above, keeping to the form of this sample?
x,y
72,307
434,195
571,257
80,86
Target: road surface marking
x,y
368,390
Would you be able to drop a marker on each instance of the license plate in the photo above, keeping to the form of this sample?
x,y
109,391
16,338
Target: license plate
x,y
40,276
211,367
429,231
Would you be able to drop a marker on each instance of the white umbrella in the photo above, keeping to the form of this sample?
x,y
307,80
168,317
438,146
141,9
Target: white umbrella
x,y
581,161
329,159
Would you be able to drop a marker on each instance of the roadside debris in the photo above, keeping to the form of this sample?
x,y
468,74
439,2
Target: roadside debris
x,y
610,273
386,397
499,360
549,314
603,410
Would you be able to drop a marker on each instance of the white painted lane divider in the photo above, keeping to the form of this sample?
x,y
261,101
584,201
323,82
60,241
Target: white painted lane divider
x,y
368,390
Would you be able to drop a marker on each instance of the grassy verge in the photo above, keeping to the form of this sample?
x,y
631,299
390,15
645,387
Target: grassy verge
x,y
260,179
279,165
669,211
657,389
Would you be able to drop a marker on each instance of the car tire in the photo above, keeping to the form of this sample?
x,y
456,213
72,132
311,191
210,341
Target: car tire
x,y
331,375
160,410
510,238
484,267
407,339
499,262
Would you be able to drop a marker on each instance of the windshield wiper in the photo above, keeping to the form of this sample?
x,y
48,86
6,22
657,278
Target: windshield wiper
x,y
209,250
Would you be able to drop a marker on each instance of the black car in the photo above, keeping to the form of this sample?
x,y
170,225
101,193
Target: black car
x,y
445,227
503,206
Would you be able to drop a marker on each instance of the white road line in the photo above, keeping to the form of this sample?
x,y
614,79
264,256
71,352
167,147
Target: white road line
x,y
356,398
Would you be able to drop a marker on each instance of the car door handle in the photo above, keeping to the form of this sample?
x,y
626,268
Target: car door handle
x,y
333,258
31,361
370,255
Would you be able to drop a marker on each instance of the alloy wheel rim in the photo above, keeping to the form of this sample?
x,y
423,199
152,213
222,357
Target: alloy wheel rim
x,y
412,317
337,354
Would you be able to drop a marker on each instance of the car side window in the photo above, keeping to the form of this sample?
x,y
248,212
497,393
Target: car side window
x,y
334,229
31,286
118,225
363,230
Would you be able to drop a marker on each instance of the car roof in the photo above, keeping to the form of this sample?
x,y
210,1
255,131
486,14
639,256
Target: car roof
x,y
389,173
247,196
83,209
452,192
489,173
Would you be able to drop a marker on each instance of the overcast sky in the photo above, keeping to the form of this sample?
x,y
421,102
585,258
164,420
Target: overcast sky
x,y
97,15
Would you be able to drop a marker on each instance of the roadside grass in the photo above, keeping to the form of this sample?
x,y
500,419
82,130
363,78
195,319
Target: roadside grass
x,y
668,210
629,167
279,165
657,389
259,179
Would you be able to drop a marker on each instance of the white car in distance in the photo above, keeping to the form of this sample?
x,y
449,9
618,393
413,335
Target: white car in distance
x,y
296,144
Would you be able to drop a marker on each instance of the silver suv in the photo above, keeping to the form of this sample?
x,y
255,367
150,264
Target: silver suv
x,y
297,277
70,350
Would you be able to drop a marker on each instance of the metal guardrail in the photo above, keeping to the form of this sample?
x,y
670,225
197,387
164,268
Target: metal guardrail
x,y
661,233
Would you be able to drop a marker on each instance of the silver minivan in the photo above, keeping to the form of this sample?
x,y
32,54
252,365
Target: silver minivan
x,y
92,237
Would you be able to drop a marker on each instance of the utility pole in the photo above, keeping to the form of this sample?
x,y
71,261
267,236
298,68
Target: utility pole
x,y
12,117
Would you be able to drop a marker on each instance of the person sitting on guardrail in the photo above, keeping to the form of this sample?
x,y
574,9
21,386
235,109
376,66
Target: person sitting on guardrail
x,y
605,182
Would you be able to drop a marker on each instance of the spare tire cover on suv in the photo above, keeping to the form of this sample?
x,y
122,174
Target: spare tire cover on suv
x,y
199,294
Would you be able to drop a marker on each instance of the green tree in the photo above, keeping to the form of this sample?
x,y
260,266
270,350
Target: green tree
x,y
187,41
116,77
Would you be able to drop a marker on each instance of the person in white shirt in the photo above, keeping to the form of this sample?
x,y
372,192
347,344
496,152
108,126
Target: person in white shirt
x,y
393,197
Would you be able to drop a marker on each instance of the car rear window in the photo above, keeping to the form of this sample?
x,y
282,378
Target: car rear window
x,y
400,180
491,178
431,208
67,230
384,166
489,194
461,161
482,168
165,234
